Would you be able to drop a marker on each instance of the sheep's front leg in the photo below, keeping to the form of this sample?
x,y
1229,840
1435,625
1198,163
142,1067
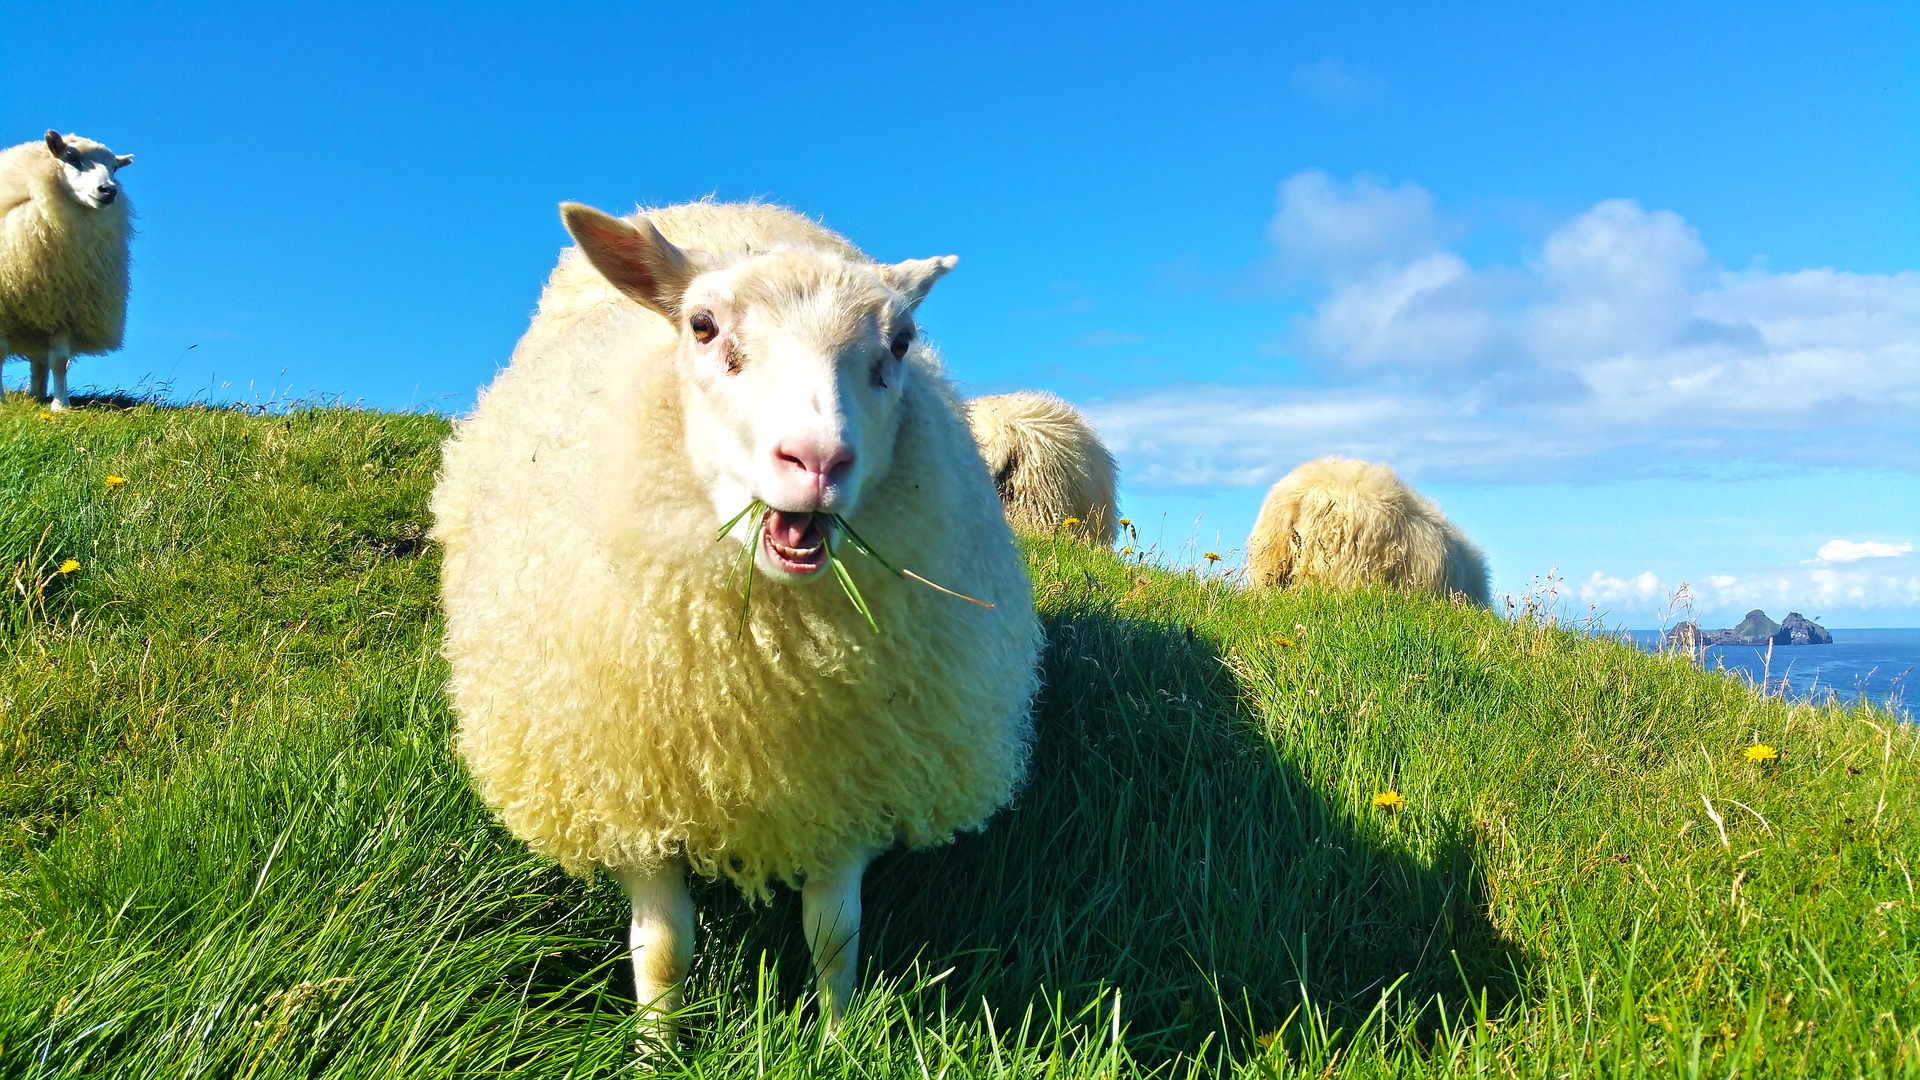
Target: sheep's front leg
x,y
59,352
830,911
37,380
662,943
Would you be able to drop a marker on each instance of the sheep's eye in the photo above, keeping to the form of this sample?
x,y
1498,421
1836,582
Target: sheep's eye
x,y
702,326
900,342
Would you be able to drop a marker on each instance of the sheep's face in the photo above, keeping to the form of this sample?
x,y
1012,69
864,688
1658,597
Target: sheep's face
x,y
794,371
88,169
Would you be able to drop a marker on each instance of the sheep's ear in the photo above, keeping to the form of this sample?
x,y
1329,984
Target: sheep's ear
x,y
55,144
915,277
633,256
123,161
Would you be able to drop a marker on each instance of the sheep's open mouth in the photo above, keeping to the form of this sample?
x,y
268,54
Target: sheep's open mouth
x,y
795,542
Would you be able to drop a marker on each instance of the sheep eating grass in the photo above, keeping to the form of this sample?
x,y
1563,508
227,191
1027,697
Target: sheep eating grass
x,y
614,708
63,255
1048,464
1346,524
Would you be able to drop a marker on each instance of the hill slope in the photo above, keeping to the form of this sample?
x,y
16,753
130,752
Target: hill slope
x,y
238,842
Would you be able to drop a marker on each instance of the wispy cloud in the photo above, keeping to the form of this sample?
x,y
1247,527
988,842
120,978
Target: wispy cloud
x,y
1620,348
1336,82
1335,230
1106,339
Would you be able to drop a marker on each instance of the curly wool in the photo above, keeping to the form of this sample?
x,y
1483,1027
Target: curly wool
x,y
1346,524
63,265
610,707
1047,463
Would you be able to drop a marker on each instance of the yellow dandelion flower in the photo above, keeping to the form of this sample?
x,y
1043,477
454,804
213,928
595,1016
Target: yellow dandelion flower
x,y
1265,1042
1126,523
71,566
1760,753
1212,556
1070,523
44,416
1283,641
1126,550
1389,800
114,481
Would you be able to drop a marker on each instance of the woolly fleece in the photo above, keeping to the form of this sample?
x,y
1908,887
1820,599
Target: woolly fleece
x,y
607,710
1347,523
1047,463
63,264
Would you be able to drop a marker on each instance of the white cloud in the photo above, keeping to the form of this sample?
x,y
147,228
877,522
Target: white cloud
x,y
1606,589
1855,550
1620,348
1880,587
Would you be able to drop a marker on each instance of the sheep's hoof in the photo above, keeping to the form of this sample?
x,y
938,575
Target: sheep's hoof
x,y
653,1046
56,405
649,1058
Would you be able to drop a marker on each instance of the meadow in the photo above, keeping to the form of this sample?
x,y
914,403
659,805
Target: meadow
x,y
237,841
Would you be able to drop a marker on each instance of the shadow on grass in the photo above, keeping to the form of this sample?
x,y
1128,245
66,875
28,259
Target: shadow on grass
x,y
1162,848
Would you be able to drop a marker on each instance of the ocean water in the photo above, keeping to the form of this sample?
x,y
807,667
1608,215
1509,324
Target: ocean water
x,y
1879,665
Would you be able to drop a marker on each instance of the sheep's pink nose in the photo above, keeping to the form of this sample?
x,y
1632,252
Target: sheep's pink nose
x,y
819,466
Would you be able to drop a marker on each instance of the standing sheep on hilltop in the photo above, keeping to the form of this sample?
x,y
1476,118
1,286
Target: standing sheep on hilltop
x,y
627,697
1048,463
63,255
1346,524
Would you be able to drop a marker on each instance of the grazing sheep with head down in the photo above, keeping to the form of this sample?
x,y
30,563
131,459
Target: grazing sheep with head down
x,y
1346,524
616,706
63,255
1047,462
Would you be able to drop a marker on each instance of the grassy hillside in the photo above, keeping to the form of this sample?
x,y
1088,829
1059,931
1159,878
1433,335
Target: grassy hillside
x,y
237,842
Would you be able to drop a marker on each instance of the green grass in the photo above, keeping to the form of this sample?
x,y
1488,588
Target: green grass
x,y
237,841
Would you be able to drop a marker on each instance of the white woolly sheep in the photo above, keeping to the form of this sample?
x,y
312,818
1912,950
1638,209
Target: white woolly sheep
x,y
63,255
616,707
1048,463
1345,523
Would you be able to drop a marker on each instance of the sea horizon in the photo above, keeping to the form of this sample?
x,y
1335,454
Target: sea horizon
x,y
1876,664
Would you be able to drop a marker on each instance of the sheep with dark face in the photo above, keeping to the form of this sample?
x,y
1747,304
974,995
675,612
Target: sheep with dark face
x,y
63,255
614,709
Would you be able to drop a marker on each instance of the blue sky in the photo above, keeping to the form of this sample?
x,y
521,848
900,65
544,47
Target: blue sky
x,y
1633,292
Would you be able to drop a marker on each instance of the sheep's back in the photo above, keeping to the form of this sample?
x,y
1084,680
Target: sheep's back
x,y
1347,524
1047,462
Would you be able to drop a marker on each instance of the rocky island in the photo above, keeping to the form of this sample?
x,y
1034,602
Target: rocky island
x,y
1755,629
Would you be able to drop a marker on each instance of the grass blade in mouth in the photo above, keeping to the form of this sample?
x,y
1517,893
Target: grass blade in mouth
x,y
846,584
867,550
756,515
754,507
937,587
